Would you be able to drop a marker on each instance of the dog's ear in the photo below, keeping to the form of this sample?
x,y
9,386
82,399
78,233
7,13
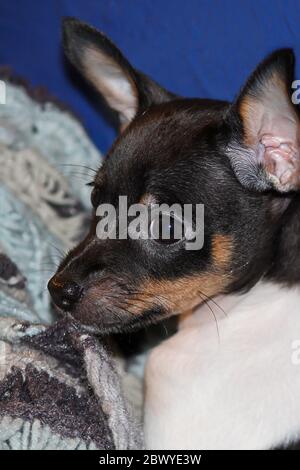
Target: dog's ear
x,y
126,90
269,157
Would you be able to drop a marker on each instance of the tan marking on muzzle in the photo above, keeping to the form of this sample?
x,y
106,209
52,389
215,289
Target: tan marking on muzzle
x,y
180,295
56,283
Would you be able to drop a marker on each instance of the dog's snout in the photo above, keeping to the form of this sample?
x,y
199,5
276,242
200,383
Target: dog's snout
x,y
65,294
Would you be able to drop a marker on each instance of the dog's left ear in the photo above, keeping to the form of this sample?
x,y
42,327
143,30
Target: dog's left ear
x,y
126,90
269,157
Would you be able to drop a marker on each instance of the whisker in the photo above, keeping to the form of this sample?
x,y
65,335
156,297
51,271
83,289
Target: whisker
x,y
63,254
79,173
80,177
214,315
35,271
79,166
210,299
165,329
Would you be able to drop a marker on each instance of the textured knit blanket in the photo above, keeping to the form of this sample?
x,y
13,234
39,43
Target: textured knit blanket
x,y
59,386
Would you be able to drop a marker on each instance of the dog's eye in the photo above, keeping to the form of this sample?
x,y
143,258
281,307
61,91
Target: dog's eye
x,y
167,229
95,197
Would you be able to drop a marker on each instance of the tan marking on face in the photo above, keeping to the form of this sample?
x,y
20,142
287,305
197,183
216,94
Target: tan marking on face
x,y
222,247
179,295
147,199
56,282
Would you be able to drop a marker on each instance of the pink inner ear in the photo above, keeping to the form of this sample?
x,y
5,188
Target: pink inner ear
x,y
281,161
272,126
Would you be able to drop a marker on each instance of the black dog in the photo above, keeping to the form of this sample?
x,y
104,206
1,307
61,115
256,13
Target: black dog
x,y
240,160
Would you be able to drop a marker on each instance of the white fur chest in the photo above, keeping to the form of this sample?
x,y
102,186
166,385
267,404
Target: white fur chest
x,y
235,387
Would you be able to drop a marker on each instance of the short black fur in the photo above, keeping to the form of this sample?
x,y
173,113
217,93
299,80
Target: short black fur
x,y
176,150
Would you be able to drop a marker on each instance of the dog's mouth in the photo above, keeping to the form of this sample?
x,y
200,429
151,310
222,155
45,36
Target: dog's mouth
x,y
106,327
113,313
117,304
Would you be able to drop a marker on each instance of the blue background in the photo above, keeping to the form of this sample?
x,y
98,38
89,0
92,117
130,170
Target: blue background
x,y
201,48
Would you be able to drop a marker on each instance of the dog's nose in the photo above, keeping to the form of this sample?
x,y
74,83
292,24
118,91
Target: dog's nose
x,y
64,294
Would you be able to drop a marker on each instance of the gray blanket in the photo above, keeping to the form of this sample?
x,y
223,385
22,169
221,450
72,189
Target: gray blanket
x,y
59,389
59,386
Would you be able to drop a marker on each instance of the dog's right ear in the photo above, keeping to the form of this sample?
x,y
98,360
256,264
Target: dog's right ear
x,y
126,90
269,157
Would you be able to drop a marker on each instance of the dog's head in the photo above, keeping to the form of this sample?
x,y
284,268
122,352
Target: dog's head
x,y
240,160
